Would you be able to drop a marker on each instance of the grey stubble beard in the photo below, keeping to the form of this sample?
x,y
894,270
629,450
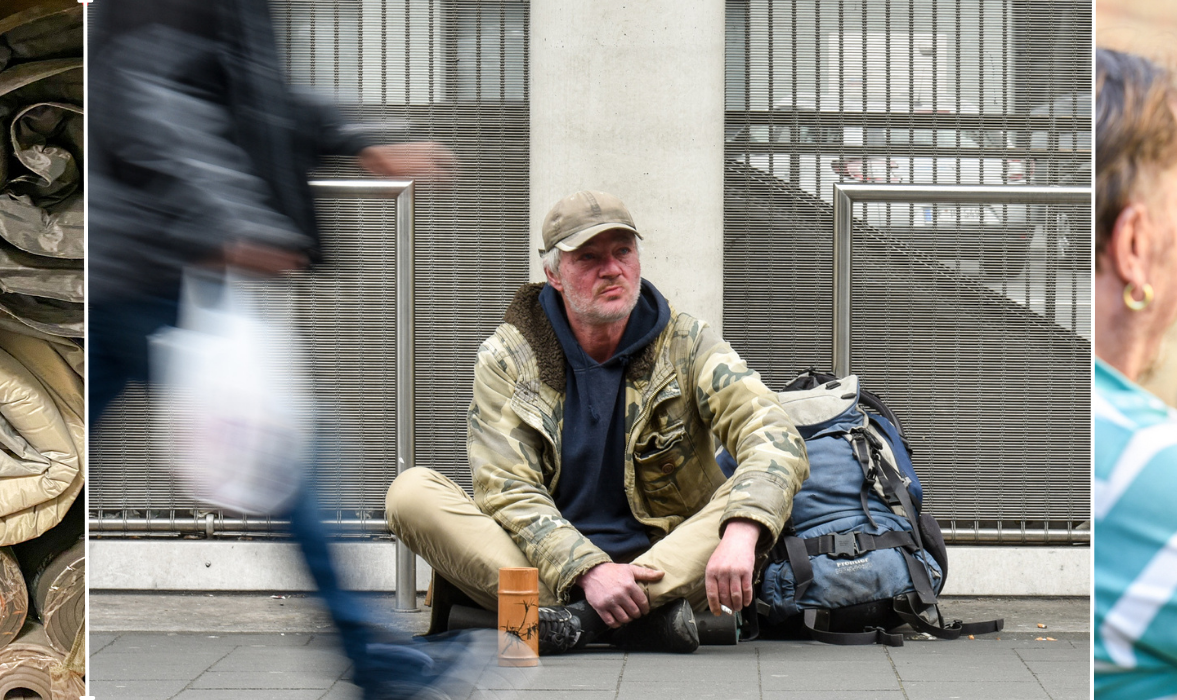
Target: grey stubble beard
x,y
585,310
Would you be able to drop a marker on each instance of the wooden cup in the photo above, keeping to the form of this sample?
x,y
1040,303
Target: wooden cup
x,y
518,616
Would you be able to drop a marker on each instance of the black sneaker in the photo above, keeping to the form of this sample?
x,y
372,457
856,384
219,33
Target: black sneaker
x,y
670,628
559,630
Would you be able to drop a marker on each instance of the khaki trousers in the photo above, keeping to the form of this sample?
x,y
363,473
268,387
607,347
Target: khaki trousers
x,y
438,521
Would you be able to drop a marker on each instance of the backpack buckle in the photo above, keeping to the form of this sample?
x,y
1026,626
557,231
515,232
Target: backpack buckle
x,y
845,546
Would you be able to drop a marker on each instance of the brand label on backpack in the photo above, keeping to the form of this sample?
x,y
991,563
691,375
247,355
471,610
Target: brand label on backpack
x,y
844,567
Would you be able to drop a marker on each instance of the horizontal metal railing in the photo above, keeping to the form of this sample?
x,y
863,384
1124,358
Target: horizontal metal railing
x,y
846,195
1015,533
213,525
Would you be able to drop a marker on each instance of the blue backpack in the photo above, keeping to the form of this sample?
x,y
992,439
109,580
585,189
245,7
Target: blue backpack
x,y
857,558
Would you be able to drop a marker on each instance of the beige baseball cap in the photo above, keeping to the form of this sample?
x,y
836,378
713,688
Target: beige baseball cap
x,y
578,217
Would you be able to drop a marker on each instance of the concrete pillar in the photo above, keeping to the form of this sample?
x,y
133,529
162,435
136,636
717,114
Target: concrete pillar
x,y
627,97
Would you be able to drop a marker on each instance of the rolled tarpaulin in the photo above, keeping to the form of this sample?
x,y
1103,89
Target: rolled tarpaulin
x,y
69,350
41,206
28,523
43,438
49,140
56,373
55,80
50,316
73,670
51,29
40,458
41,211
35,275
58,595
41,163
27,666
53,230
54,569
41,200
14,598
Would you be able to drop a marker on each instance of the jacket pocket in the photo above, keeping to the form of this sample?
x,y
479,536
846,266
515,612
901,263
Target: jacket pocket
x,y
658,445
664,500
657,460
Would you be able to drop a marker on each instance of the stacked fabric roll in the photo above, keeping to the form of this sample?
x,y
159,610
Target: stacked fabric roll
x,y
59,596
43,651
31,667
14,597
54,570
41,149
42,429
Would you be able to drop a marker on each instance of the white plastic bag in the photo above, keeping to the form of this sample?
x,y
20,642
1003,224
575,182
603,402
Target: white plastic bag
x,y
231,391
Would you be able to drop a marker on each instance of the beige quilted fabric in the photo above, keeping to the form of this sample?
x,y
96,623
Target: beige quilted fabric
x,y
42,437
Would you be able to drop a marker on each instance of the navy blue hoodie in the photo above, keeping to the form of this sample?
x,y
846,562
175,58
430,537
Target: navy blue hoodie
x,y
591,490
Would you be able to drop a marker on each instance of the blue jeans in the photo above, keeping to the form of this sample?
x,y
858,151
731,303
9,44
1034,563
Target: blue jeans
x,y
119,354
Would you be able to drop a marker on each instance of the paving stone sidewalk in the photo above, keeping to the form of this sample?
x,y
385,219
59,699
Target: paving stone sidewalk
x,y
307,665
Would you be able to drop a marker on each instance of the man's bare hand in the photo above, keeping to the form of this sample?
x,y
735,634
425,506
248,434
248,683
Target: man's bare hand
x,y
420,160
263,259
613,591
729,570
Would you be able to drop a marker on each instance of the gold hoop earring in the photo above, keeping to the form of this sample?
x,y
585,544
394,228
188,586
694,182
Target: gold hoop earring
x,y
1130,300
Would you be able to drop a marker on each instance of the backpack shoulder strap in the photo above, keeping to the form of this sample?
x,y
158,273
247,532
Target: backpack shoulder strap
x,y
874,403
798,557
894,488
862,454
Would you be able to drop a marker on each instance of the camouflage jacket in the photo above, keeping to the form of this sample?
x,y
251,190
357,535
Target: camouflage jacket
x,y
687,385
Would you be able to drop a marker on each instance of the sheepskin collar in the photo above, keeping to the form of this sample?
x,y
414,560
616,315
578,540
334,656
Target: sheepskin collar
x,y
526,314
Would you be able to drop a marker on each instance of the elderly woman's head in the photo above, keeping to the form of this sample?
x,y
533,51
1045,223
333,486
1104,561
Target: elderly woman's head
x,y
1135,209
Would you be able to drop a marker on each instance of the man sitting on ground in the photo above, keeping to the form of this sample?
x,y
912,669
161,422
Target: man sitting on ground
x,y
591,444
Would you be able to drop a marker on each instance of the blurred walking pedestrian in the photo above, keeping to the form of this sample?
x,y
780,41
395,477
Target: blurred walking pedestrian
x,y
199,156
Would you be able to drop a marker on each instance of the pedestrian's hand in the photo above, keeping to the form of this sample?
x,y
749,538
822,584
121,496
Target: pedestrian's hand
x,y
613,591
263,259
729,570
426,161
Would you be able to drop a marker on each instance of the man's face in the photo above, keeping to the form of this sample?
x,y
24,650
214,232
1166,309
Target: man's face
x,y
601,279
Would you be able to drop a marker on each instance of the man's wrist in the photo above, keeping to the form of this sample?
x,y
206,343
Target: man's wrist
x,y
743,530
580,579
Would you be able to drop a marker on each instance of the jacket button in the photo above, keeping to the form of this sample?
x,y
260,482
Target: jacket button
x,y
667,467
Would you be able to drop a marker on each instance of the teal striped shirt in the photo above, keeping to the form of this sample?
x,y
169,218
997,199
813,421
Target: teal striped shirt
x,y
1134,502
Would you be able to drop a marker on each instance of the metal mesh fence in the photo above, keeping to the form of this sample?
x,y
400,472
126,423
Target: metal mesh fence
x,y
974,321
